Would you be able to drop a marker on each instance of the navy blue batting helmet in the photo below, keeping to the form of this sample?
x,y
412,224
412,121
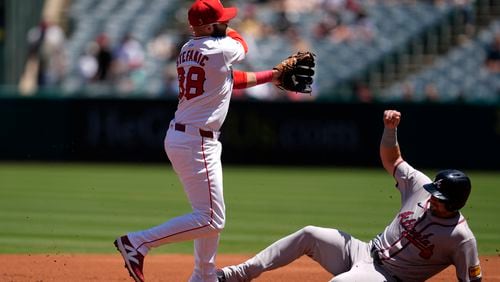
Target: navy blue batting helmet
x,y
452,187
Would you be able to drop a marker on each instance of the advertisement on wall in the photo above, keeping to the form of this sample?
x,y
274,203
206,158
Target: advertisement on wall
x,y
253,133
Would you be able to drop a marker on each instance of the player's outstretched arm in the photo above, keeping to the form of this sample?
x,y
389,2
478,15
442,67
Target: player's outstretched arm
x,y
244,79
390,153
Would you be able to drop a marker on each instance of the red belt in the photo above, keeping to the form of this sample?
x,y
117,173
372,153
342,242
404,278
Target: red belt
x,y
204,133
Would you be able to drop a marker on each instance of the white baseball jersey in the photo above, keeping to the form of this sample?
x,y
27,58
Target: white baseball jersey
x,y
417,245
204,67
205,86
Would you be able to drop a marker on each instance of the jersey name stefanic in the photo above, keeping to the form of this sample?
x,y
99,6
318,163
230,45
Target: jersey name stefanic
x,y
192,55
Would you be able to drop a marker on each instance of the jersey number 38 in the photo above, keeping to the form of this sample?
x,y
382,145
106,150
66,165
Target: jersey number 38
x,y
191,83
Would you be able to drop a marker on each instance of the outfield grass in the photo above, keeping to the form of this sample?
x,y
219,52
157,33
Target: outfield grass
x,y
81,208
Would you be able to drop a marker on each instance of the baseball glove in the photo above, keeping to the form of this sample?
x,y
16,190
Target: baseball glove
x,y
296,72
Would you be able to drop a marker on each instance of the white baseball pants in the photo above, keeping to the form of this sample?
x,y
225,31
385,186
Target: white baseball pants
x,y
197,162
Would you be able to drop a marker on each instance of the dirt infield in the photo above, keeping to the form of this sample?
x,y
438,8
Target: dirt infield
x,y
169,268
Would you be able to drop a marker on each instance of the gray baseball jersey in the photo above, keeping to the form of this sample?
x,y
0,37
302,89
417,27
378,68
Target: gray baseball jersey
x,y
414,247
417,245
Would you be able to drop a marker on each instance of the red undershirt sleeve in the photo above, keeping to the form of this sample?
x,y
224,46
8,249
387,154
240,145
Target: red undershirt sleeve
x,y
239,79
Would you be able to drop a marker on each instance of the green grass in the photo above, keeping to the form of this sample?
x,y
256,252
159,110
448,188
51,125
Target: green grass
x,y
81,208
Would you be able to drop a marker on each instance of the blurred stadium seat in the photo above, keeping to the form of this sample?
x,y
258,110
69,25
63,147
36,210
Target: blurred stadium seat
x,y
399,49
459,75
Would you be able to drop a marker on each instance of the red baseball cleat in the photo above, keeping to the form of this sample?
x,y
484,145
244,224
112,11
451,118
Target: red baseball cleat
x,y
134,260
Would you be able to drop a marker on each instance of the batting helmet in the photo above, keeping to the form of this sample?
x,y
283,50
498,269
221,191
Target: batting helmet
x,y
452,187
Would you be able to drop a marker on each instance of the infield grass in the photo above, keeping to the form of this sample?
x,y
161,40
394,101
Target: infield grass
x,y
81,208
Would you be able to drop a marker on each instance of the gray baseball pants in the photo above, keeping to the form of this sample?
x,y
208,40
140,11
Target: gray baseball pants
x,y
344,256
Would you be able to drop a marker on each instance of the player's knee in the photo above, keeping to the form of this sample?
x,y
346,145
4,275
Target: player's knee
x,y
305,238
218,223
309,231
203,216
215,228
218,220
218,228
214,220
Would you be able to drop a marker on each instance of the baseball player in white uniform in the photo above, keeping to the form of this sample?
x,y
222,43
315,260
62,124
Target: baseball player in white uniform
x,y
206,81
427,235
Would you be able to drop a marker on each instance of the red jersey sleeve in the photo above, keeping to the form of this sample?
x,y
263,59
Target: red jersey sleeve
x,y
236,36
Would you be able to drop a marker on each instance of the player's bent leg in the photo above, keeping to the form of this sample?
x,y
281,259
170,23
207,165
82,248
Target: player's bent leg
x,y
183,228
331,248
200,171
326,246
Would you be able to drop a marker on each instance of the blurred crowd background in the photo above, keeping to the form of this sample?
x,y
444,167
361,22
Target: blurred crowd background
x,y
442,51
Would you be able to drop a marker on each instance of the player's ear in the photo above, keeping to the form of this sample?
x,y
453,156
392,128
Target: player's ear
x,y
202,30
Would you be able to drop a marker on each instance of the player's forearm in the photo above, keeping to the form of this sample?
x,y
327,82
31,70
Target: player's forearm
x,y
390,153
248,79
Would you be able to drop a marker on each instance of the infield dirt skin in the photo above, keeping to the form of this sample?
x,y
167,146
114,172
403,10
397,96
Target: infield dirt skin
x,y
79,267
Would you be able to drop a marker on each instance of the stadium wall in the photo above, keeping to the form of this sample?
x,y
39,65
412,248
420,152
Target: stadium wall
x,y
434,136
